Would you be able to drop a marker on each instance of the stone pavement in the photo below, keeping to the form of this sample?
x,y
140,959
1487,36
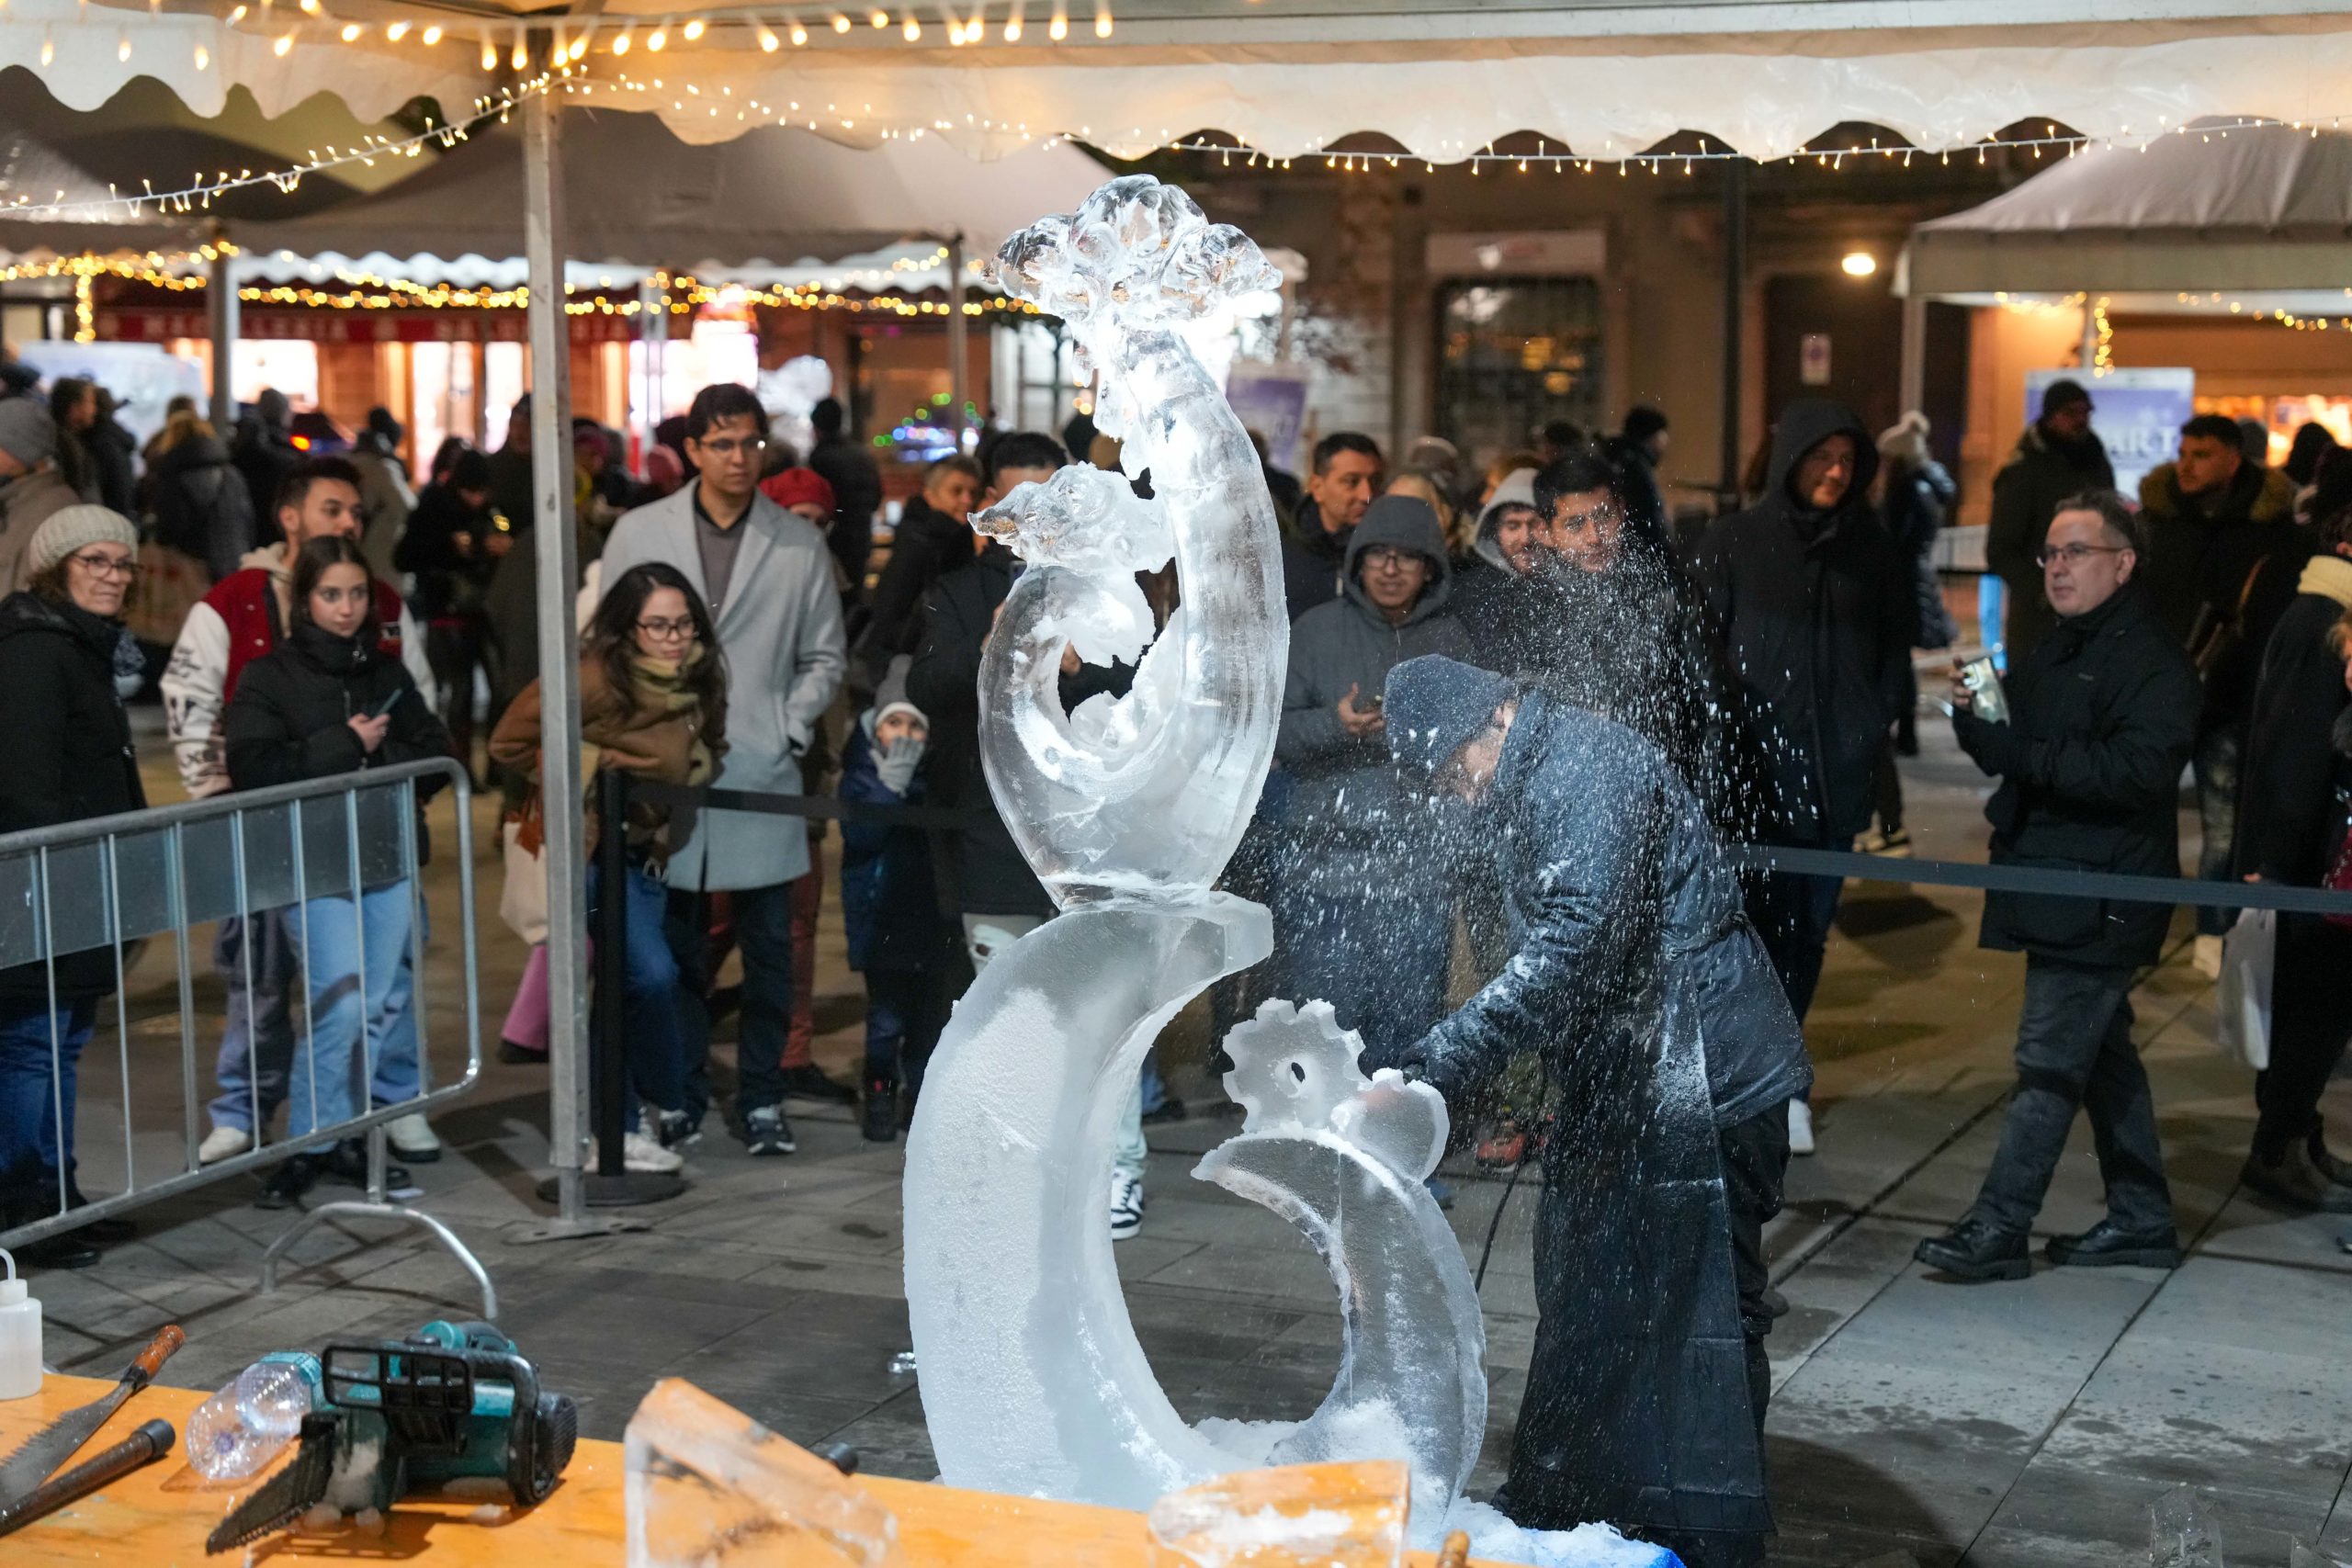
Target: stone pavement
x,y
1914,1423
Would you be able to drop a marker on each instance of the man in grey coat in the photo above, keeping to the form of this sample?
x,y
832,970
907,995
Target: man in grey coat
x,y
767,578
1364,923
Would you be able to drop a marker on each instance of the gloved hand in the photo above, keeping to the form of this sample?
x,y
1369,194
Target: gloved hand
x,y
896,765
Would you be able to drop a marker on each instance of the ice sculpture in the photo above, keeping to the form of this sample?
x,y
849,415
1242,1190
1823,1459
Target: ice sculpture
x,y
1127,810
1309,1516
709,1487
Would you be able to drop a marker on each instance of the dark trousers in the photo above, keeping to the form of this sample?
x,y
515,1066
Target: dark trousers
x,y
1793,914
2074,1051
905,1012
2311,1018
453,647
1886,787
763,921
2216,766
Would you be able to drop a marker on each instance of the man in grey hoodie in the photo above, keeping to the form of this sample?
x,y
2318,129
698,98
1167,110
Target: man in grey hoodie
x,y
1362,924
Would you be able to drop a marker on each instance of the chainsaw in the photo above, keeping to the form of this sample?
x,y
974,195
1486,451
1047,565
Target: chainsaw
x,y
451,1401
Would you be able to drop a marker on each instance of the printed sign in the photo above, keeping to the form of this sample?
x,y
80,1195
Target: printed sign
x,y
2138,413
1813,359
1272,401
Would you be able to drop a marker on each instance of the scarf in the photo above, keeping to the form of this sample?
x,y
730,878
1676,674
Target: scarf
x,y
2329,576
658,691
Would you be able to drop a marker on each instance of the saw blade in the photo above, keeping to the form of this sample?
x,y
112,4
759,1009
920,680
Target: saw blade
x,y
285,1497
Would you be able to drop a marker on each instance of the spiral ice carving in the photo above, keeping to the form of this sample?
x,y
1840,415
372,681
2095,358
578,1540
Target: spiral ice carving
x,y
1144,795
1127,810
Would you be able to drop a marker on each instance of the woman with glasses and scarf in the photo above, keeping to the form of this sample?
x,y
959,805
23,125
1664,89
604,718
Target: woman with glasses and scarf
x,y
652,701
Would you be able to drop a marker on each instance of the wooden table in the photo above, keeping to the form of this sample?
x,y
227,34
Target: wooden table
x,y
158,1517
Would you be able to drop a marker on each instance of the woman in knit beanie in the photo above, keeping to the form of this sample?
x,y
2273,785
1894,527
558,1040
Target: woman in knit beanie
x,y
69,759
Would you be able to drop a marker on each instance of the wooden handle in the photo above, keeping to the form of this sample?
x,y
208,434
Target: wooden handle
x,y
1455,1552
166,1343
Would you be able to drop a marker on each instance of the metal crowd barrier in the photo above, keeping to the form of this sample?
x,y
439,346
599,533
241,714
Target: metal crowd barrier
x,y
293,853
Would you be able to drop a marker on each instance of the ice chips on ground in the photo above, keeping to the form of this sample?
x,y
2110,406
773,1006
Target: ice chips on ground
x,y
1304,1516
709,1487
1495,1539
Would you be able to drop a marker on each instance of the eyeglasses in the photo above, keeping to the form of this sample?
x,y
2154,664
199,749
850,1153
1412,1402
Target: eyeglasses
x,y
728,445
2075,555
668,631
106,566
1387,558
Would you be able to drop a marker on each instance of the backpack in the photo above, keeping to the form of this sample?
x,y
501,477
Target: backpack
x,y
212,521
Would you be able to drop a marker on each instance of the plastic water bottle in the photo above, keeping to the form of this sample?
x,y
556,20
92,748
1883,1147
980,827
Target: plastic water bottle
x,y
240,1430
19,1337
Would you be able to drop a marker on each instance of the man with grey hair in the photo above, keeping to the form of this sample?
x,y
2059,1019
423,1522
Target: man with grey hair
x,y
31,489
2101,714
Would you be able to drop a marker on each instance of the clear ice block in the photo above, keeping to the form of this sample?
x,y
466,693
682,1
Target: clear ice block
x,y
2184,1531
709,1487
1306,1515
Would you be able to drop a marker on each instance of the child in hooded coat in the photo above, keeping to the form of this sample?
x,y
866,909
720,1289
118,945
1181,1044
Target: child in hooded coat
x,y
898,938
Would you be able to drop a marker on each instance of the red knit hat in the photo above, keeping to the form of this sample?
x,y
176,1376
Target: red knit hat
x,y
797,487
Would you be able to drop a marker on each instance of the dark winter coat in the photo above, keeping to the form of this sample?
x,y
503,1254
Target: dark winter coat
x,y
1816,616
1313,561
201,505
1918,500
1350,819
2201,549
1637,976
2042,470
1644,497
2104,712
448,582
979,869
857,496
113,453
2292,783
928,545
289,720
263,454
889,899
2222,571
70,756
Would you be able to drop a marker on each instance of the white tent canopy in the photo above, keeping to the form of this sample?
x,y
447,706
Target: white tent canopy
x,y
2267,208
776,205
1603,76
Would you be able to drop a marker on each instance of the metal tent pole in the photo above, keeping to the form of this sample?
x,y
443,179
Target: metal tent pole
x,y
1734,320
1914,382
959,365
221,317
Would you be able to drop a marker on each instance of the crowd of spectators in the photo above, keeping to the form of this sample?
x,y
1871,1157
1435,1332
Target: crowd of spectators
x,y
742,628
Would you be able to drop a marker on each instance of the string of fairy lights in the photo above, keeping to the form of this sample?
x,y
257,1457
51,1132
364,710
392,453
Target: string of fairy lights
x,y
680,294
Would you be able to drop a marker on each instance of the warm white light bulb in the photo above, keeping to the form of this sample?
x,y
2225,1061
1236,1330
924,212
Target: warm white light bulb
x,y
284,45
1859,264
351,31
521,58
769,42
800,36
912,30
1102,24
203,58
1059,28
431,35
693,29
841,23
395,31
1012,29
658,40
621,44
489,54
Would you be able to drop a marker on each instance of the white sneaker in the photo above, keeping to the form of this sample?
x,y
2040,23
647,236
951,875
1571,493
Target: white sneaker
x,y
224,1143
1800,1127
641,1153
2207,957
1127,1205
412,1138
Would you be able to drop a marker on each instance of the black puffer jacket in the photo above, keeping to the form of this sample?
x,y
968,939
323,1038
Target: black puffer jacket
x,y
69,751
2291,790
1816,613
2104,714
928,545
290,718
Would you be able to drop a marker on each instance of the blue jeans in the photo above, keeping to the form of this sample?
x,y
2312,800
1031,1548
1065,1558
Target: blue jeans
x,y
361,1033
654,1043
257,1043
33,1147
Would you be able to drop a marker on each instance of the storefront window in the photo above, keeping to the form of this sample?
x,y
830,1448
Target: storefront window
x,y
1514,354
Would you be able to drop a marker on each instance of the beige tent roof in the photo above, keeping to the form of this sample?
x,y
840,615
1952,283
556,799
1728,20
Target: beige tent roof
x,y
2268,209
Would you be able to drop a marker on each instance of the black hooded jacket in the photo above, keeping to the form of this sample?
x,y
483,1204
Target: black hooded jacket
x,y
202,508
929,544
70,756
1817,614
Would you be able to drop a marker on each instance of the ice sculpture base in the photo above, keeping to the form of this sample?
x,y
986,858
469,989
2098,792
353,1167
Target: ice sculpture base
x,y
1032,1378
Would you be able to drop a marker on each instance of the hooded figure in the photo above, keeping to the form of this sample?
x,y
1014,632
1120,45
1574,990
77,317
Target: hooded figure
x,y
1817,620
1496,562
2058,456
1356,929
1671,1051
